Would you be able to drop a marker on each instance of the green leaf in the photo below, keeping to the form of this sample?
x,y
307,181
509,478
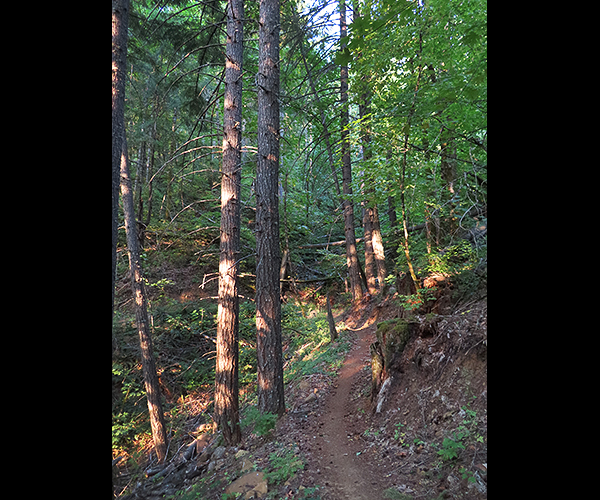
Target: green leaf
x,y
343,57
471,93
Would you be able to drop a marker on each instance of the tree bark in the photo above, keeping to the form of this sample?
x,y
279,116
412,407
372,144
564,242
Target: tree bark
x,y
448,172
374,253
268,305
370,267
226,376
351,254
332,330
120,20
157,419
366,191
378,249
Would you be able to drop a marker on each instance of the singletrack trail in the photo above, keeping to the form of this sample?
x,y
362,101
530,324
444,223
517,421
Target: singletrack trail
x,y
346,471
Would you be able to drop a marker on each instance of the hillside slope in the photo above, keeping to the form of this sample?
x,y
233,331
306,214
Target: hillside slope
x,y
428,439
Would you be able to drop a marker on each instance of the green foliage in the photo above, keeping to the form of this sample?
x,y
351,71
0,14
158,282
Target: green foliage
x,y
309,493
263,423
414,301
310,350
453,259
394,494
451,446
284,464
423,66
178,329
468,475
129,405
465,432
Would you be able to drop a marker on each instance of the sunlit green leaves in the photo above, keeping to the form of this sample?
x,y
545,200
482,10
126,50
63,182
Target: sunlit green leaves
x,y
342,57
425,68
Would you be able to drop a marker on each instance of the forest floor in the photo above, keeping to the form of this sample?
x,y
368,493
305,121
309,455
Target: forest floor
x,y
354,453
429,439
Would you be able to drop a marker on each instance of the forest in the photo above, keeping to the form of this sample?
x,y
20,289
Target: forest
x,y
287,173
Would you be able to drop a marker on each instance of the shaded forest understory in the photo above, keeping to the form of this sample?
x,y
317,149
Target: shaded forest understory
x,y
429,437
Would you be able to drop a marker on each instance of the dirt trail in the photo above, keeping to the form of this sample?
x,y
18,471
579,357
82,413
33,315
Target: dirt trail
x,y
346,471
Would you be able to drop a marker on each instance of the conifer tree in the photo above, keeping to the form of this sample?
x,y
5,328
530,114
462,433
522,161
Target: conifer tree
x,y
226,377
268,304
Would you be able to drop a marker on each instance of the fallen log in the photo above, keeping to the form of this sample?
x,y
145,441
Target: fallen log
x,y
330,244
410,229
326,278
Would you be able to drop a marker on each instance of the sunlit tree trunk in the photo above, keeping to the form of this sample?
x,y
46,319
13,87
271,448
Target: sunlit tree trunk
x,y
120,19
351,254
268,305
377,244
157,419
374,253
226,377
370,268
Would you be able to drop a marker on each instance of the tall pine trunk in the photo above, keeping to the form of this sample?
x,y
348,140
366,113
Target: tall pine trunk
x,y
120,19
351,254
157,419
268,305
226,378
378,249
374,253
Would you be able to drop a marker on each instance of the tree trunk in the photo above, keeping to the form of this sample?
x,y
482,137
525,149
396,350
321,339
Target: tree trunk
x,y
366,191
448,171
370,267
351,254
374,254
332,330
120,19
226,377
157,419
137,194
268,305
378,250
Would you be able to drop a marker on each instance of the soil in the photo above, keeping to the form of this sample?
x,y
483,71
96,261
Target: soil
x,y
346,472
437,400
352,452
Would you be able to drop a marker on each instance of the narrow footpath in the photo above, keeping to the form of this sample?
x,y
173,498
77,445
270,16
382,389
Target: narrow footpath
x,y
346,471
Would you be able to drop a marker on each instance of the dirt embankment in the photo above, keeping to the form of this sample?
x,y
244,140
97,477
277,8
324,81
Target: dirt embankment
x,y
429,437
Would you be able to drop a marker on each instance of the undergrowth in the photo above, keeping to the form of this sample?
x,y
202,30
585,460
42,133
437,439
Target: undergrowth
x,y
284,463
184,347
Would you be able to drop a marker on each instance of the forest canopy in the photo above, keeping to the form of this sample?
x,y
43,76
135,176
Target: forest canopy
x,y
421,66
